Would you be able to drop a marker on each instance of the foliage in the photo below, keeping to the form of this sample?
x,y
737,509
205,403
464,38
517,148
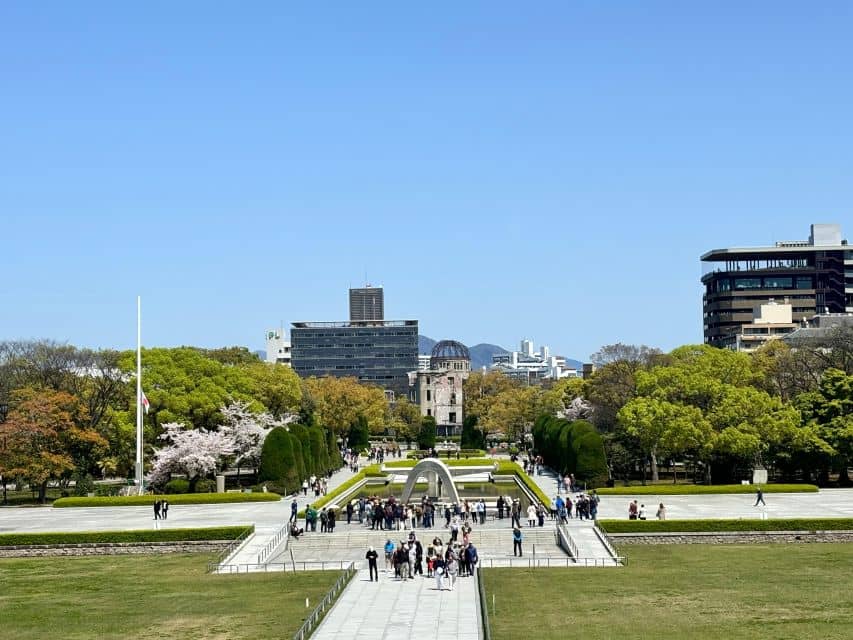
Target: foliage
x,y
180,499
570,447
130,536
452,462
359,435
194,453
405,420
337,403
472,437
278,461
703,489
246,430
721,525
427,433
177,485
505,467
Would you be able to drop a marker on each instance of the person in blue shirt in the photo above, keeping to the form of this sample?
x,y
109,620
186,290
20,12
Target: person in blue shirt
x,y
516,542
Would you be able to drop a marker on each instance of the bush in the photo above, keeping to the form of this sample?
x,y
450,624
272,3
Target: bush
x,y
83,485
506,468
188,498
205,485
359,434
718,525
278,461
427,433
177,485
141,535
696,489
453,462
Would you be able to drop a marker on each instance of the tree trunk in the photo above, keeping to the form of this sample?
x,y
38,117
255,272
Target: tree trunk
x,y
43,492
653,461
674,474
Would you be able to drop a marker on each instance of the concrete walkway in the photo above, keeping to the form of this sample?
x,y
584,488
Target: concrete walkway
x,y
395,610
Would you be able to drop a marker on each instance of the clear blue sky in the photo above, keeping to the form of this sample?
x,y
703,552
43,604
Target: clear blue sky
x,y
505,170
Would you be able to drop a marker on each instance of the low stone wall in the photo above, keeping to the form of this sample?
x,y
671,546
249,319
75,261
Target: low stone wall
x,y
732,537
112,548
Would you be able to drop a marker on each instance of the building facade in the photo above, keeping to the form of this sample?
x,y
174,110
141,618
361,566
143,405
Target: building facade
x,y
366,304
278,347
377,352
814,275
528,366
770,322
438,390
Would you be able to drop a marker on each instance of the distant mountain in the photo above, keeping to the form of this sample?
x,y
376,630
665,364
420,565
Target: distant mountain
x,y
425,345
481,354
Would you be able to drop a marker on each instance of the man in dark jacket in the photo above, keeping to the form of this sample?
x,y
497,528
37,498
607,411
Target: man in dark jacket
x,y
371,556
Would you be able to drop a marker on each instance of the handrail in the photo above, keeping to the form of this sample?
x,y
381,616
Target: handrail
x,y
604,540
484,606
271,546
565,540
227,551
328,600
550,561
298,565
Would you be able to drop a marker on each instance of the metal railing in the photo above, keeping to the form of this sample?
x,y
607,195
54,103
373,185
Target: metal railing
x,y
231,548
566,542
271,546
328,600
484,606
540,562
263,567
604,540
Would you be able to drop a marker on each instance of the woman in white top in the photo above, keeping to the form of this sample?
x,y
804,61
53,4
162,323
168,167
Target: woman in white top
x,y
531,515
452,570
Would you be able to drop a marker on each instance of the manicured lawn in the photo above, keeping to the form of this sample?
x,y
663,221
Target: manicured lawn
x,y
703,489
147,597
715,525
772,592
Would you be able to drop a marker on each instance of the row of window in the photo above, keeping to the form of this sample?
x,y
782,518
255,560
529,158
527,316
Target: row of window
x,y
451,417
359,333
721,285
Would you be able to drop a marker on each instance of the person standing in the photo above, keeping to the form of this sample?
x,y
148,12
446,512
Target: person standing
x,y
349,512
516,542
531,515
389,554
438,568
759,497
157,509
481,509
661,512
452,570
304,487
500,507
294,507
515,512
164,509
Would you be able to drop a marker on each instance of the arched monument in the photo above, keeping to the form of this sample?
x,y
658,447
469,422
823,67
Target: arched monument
x,y
438,477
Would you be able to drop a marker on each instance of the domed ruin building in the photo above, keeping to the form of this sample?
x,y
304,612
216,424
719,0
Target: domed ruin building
x,y
438,390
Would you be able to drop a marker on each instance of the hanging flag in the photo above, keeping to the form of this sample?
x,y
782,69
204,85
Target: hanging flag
x,y
144,401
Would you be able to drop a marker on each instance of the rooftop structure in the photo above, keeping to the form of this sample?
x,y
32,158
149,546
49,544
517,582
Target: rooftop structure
x,y
814,275
366,303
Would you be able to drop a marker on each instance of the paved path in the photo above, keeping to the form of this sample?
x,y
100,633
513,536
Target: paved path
x,y
395,610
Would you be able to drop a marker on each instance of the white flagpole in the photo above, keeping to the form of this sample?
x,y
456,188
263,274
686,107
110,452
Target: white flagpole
x,y
139,394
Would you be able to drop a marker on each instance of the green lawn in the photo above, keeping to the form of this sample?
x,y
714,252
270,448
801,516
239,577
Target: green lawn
x,y
772,592
147,597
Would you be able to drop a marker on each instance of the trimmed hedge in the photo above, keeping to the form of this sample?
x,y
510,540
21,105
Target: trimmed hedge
x,y
719,525
178,499
138,535
505,468
409,463
696,489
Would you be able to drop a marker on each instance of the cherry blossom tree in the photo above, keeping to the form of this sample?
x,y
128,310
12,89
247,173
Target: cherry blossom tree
x,y
195,453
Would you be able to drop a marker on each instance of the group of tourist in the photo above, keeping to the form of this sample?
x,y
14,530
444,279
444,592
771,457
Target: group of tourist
x,y
378,453
161,509
315,484
444,562
638,511
584,507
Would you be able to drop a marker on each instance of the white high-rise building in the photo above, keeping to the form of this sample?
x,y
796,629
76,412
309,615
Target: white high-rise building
x,y
278,347
527,348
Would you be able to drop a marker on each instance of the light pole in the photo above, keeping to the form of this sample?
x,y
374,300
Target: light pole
x,y
4,410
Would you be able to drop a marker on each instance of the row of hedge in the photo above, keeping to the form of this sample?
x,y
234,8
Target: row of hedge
x,y
463,453
178,499
571,447
140,535
468,462
720,526
507,468
696,489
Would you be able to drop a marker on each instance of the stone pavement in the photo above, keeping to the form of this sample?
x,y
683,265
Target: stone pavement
x,y
395,610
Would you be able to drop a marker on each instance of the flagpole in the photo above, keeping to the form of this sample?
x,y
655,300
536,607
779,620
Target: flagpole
x,y
139,394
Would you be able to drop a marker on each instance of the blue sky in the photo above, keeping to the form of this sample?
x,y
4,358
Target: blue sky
x,y
505,171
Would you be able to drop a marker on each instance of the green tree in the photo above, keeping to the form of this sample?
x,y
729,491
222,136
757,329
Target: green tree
x,y
337,402
358,437
472,437
319,451
427,433
278,463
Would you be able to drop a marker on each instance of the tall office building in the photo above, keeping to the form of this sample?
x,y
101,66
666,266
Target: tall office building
x,y
377,352
366,304
813,276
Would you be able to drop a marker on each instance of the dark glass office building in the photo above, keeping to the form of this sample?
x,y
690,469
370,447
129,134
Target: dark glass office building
x,y
366,303
378,352
813,276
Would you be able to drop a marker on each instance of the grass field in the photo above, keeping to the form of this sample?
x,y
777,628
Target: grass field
x,y
147,597
772,592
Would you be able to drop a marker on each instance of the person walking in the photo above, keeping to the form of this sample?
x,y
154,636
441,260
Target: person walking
x,y
661,512
350,510
452,570
389,554
371,556
294,507
439,568
516,542
759,497
164,509
157,509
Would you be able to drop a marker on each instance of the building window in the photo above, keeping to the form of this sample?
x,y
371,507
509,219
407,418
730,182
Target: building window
x,y
451,417
429,412
452,398
429,395
427,379
450,381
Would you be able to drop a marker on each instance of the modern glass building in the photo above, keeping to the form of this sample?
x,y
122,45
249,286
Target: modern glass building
x,y
813,276
366,303
378,352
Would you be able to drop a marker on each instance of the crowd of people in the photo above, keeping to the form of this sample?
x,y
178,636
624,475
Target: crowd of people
x,y
446,562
